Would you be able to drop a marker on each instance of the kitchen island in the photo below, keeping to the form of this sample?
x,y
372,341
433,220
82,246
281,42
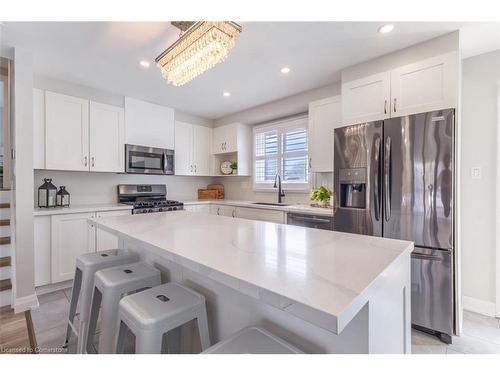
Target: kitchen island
x,y
322,291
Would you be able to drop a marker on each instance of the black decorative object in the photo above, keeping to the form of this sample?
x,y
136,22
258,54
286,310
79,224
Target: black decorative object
x,y
62,197
47,194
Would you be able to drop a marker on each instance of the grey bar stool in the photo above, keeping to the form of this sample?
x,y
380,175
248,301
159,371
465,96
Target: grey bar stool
x,y
252,340
111,285
83,284
154,312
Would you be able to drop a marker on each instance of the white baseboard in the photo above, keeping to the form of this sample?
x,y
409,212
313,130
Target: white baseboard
x,y
478,306
25,303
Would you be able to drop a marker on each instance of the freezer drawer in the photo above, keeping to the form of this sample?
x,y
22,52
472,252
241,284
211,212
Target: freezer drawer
x,y
432,289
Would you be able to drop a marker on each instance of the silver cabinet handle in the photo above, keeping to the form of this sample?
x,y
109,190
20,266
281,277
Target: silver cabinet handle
x,y
394,105
195,168
93,161
191,168
233,214
310,162
387,179
218,210
85,162
385,107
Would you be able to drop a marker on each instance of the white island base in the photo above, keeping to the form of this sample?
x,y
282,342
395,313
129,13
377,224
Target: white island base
x,y
322,291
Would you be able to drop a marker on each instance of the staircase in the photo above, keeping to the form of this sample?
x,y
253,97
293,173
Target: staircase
x,y
5,250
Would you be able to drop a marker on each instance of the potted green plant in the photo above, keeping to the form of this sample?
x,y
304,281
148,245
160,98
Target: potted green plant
x,y
321,195
234,167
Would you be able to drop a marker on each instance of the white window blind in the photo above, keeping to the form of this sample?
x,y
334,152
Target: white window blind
x,y
281,148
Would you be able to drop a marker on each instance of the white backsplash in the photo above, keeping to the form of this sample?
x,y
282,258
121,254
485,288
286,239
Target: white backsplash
x,y
97,188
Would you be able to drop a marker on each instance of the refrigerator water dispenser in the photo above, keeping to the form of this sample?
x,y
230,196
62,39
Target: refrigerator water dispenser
x,y
352,187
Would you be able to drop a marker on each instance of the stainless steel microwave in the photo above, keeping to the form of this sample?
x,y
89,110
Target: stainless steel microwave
x,y
148,160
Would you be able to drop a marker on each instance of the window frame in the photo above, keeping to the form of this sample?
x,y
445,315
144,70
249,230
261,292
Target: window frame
x,y
281,127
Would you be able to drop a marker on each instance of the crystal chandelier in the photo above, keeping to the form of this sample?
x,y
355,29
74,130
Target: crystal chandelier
x,y
200,47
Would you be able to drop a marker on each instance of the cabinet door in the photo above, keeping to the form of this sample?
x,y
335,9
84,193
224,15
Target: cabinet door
x,y
71,236
183,149
201,150
38,129
366,99
273,216
225,139
203,208
324,116
42,245
104,239
149,124
107,138
424,86
66,132
221,210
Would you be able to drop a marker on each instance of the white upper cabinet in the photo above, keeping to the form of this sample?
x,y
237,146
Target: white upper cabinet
x,y
225,139
324,116
183,149
38,129
107,137
366,99
424,86
192,149
202,137
66,132
149,124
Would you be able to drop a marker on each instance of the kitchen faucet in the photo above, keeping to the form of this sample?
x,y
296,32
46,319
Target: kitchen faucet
x,y
281,193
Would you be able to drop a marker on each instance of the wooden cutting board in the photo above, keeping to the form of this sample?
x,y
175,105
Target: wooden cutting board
x,y
219,188
208,194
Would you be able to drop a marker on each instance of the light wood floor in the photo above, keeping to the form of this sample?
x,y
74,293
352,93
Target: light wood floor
x,y
14,336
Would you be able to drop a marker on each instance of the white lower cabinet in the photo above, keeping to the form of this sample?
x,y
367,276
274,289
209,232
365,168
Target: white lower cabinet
x,y
42,250
223,210
203,208
104,239
71,236
273,216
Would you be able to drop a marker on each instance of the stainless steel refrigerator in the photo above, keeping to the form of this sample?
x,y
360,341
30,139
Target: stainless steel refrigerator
x,y
395,179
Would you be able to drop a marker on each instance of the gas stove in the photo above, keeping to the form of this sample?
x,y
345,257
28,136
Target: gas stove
x,y
147,198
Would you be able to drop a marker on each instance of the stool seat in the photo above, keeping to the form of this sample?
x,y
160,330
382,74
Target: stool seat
x,y
152,313
83,284
111,284
162,303
252,340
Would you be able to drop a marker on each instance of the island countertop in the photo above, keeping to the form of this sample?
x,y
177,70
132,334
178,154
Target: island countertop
x,y
327,271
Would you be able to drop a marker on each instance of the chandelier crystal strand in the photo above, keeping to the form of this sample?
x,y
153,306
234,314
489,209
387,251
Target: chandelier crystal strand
x,y
200,48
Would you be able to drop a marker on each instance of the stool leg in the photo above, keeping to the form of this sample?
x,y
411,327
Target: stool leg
x,y
109,323
202,321
148,342
122,334
94,314
174,340
75,292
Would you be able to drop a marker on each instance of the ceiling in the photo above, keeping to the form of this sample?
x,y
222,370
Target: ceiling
x,y
105,55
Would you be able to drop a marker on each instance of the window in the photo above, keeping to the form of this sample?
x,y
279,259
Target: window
x,y
281,148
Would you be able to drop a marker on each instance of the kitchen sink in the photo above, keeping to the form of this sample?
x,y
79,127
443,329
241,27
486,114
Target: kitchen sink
x,y
272,204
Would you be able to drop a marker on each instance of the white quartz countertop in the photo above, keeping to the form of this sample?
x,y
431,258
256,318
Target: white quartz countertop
x,y
327,271
73,209
298,208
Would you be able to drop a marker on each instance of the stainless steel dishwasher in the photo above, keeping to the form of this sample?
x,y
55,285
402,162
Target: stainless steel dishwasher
x,y
310,221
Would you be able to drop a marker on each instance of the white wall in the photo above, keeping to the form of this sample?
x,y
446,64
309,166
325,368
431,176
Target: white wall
x,y
480,123
22,214
97,188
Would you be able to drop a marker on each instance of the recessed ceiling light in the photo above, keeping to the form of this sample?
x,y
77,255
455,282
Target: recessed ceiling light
x,y
226,94
144,63
386,28
285,70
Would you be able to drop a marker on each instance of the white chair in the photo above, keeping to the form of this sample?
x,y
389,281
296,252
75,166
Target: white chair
x,y
252,340
154,312
83,284
111,285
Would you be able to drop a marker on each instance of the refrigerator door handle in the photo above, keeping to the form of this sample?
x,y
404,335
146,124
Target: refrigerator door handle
x,y
376,187
387,178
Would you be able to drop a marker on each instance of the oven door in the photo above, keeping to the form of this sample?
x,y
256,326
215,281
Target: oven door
x,y
148,160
